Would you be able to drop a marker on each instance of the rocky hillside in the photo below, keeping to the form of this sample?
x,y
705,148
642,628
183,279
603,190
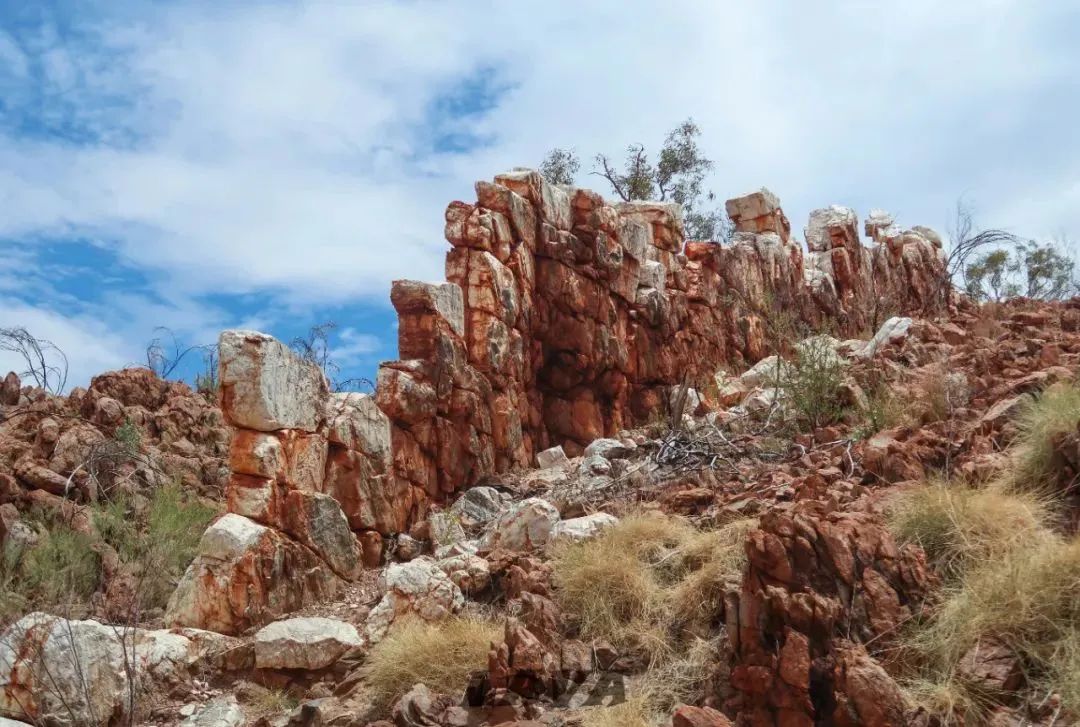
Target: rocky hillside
x,y
74,466
618,478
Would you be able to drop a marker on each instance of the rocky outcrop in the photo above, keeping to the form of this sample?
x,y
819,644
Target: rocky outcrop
x,y
818,584
129,428
304,643
246,574
418,588
574,316
309,494
564,319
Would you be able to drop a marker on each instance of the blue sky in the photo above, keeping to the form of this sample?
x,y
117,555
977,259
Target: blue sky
x,y
206,165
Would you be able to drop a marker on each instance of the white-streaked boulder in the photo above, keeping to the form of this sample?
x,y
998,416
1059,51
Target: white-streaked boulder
x,y
525,526
304,643
79,672
581,528
419,588
265,386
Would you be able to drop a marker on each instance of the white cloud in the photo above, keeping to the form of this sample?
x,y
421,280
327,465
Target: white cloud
x,y
89,346
291,149
352,346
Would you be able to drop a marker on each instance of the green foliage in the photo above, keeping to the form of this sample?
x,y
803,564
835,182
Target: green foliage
x,y
61,571
813,383
987,278
678,175
1046,270
560,166
128,437
158,539
1043,271
884,410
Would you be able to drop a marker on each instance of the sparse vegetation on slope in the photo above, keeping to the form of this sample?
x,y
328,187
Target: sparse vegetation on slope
x,y
1012,581
1025,600
813,383
155,537
60,573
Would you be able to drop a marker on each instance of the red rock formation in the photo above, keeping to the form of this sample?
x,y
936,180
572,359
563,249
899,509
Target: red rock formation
x,y
818,584
566,318
52,442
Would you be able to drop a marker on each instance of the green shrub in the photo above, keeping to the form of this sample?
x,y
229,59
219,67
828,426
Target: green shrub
x,y
60,572
158,540
129,437
813,383
175,524
884,410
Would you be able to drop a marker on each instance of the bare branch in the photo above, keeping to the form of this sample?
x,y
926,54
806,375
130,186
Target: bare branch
x,y
614,179
45,363
163,360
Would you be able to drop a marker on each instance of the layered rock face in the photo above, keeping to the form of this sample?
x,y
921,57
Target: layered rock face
x,y
818,586
564,319
567,318
309,496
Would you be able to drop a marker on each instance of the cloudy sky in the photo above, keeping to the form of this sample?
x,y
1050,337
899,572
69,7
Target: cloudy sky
x,y
274,165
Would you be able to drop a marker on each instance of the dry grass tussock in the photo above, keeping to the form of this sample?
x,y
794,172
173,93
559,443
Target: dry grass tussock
x,y
266,702
1010,578
643,580
1026,600
958,525
1053,413
440,655
634,712
653,585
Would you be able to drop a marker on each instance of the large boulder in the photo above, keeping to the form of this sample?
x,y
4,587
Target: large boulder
x,y
477,507
266,387
245,575
304,643
354,421
419,588
581,528
610,448
525,526
53,670
468,571
893,331
317,521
